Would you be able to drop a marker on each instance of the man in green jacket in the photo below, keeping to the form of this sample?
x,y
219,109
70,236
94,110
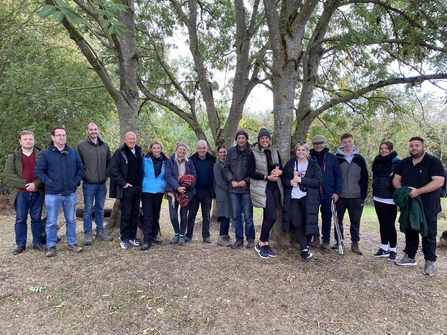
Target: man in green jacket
x,y
25,195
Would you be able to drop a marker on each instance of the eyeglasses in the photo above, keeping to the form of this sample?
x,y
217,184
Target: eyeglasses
x,y
60,135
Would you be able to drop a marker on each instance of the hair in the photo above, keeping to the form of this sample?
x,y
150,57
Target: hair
x,y
221,147
345,136
416,138
388,144
152,144
301,144
201,142
88,124
53,132
25,132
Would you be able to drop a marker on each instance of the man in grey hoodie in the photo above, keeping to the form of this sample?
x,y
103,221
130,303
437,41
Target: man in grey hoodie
x,y
354,188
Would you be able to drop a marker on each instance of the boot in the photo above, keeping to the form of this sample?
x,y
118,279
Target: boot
x,y
101,235
88,239
315,241
355,248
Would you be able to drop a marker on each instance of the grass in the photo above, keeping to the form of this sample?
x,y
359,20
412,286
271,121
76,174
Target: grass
x,y
208,289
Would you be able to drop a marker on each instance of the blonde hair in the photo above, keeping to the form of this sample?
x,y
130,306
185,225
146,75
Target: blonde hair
x,y
153,143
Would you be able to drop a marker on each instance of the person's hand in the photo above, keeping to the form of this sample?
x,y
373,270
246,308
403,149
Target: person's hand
x,y
414,192
335,197
181,189
242,183
234,183
30,187
127,185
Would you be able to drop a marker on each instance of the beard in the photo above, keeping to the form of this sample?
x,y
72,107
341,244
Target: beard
x,y
418,154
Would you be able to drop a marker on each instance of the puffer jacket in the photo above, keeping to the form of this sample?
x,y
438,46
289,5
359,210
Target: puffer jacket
x,y
236,168
171,174
383,173
152,184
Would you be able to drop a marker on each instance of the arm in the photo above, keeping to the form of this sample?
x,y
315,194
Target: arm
x,y
251,169
363,179
436,183
219,179
11,175
114,170
287,175
79,169
316,178
40,171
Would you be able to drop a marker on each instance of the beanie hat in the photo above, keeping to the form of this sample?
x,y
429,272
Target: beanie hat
x,y
319,139
241,131
179,144
264,132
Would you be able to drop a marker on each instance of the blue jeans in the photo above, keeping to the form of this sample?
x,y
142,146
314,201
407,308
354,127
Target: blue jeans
x,y
242,205
28,201
97,193
53,203
173,214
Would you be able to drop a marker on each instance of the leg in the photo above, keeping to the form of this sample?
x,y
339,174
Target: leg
x,y
341,206
269,216
247,209
100,199
89,191
429,241
381,216
147,201
173,214
69,206
237,213
158,199
193,209
135,211
326,216
36,217
183,219
21,205
355,210
390,224
411,242
224,226
205,203
52,204
298,220
126,209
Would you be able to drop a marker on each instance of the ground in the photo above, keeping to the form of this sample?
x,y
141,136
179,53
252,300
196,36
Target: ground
x,y
207,289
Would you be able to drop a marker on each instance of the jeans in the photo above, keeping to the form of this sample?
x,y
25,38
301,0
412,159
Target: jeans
x,y
53,203
130,212
151,215
28,201
97,193
428,242
242,205
173,214
205,200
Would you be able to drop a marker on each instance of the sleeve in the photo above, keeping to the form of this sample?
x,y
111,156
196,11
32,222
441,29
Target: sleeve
x,y
114,170
251,168
287,175
40,170
315,179
363,179
11,175
79,168
219,178
338,179
171,180
227,168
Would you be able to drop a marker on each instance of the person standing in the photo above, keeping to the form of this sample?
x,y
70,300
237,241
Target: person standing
x,y
330,190
420,175
154,166
236,173
203,162
302,179
180,180
26,193
95,155
354,188
223,198
126,178
383,173
60,169
265,169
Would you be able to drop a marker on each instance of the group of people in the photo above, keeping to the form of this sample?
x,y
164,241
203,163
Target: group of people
x,y
242,177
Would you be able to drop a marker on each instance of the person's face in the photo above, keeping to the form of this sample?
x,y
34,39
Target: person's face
x,y
201,150
417,149
130,139
241,141
384,150
156,150
223,154
264,141
348,143
59,138
181,152
26,141
301,152
92,131
318,147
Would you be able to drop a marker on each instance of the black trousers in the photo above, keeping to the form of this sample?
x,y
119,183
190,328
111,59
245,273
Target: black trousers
x,y
151,215
130,211
355,210
386,213
204,199
428,242
298,219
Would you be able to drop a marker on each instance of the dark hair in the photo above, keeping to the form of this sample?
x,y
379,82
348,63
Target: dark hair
x,y
345,135
388,144
416,138
221,146
53,132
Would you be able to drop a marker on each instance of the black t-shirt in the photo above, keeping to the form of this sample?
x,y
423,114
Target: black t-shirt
x,y
420,175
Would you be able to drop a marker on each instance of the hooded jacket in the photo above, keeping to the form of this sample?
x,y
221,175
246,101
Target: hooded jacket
x,y
354,175
152,184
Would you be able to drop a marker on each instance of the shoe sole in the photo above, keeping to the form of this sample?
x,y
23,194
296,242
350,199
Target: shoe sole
x,y
124,247
428,274
406,264
382,256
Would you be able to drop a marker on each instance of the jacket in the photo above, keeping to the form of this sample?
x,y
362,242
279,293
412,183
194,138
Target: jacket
x,y
60,171
383,173
211,161
152,184
236,168
118,169
222,189
171,174
330,168
259,186
310,183
13,174
411,211
96,160
354,176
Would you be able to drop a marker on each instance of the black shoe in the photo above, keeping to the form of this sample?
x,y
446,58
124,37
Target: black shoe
x,y
39,247
306,255
207,240
187,239
237,244
146,246
18,250
250,243
156,240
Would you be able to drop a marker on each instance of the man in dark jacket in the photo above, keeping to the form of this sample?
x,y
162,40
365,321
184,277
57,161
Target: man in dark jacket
x,y
331,188
203,162
126,179
95,155
236,173
354,188
60,169
25,193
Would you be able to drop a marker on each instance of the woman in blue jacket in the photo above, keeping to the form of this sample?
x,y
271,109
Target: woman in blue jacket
x,y
153,189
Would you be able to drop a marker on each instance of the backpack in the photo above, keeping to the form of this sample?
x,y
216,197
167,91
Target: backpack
x,y
443,189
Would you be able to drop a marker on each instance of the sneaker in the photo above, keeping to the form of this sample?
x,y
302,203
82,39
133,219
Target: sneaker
x,y
262,251
174,240
74,248
270,251
207,240
250,243
181,240
238,244
382,253
18,250
429,269
406,261
134,241
101,235
224,240
306,255
51,252
125,244
393,256
39,247
88,239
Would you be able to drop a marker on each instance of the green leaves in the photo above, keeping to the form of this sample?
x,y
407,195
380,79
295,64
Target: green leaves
x,y
60,11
